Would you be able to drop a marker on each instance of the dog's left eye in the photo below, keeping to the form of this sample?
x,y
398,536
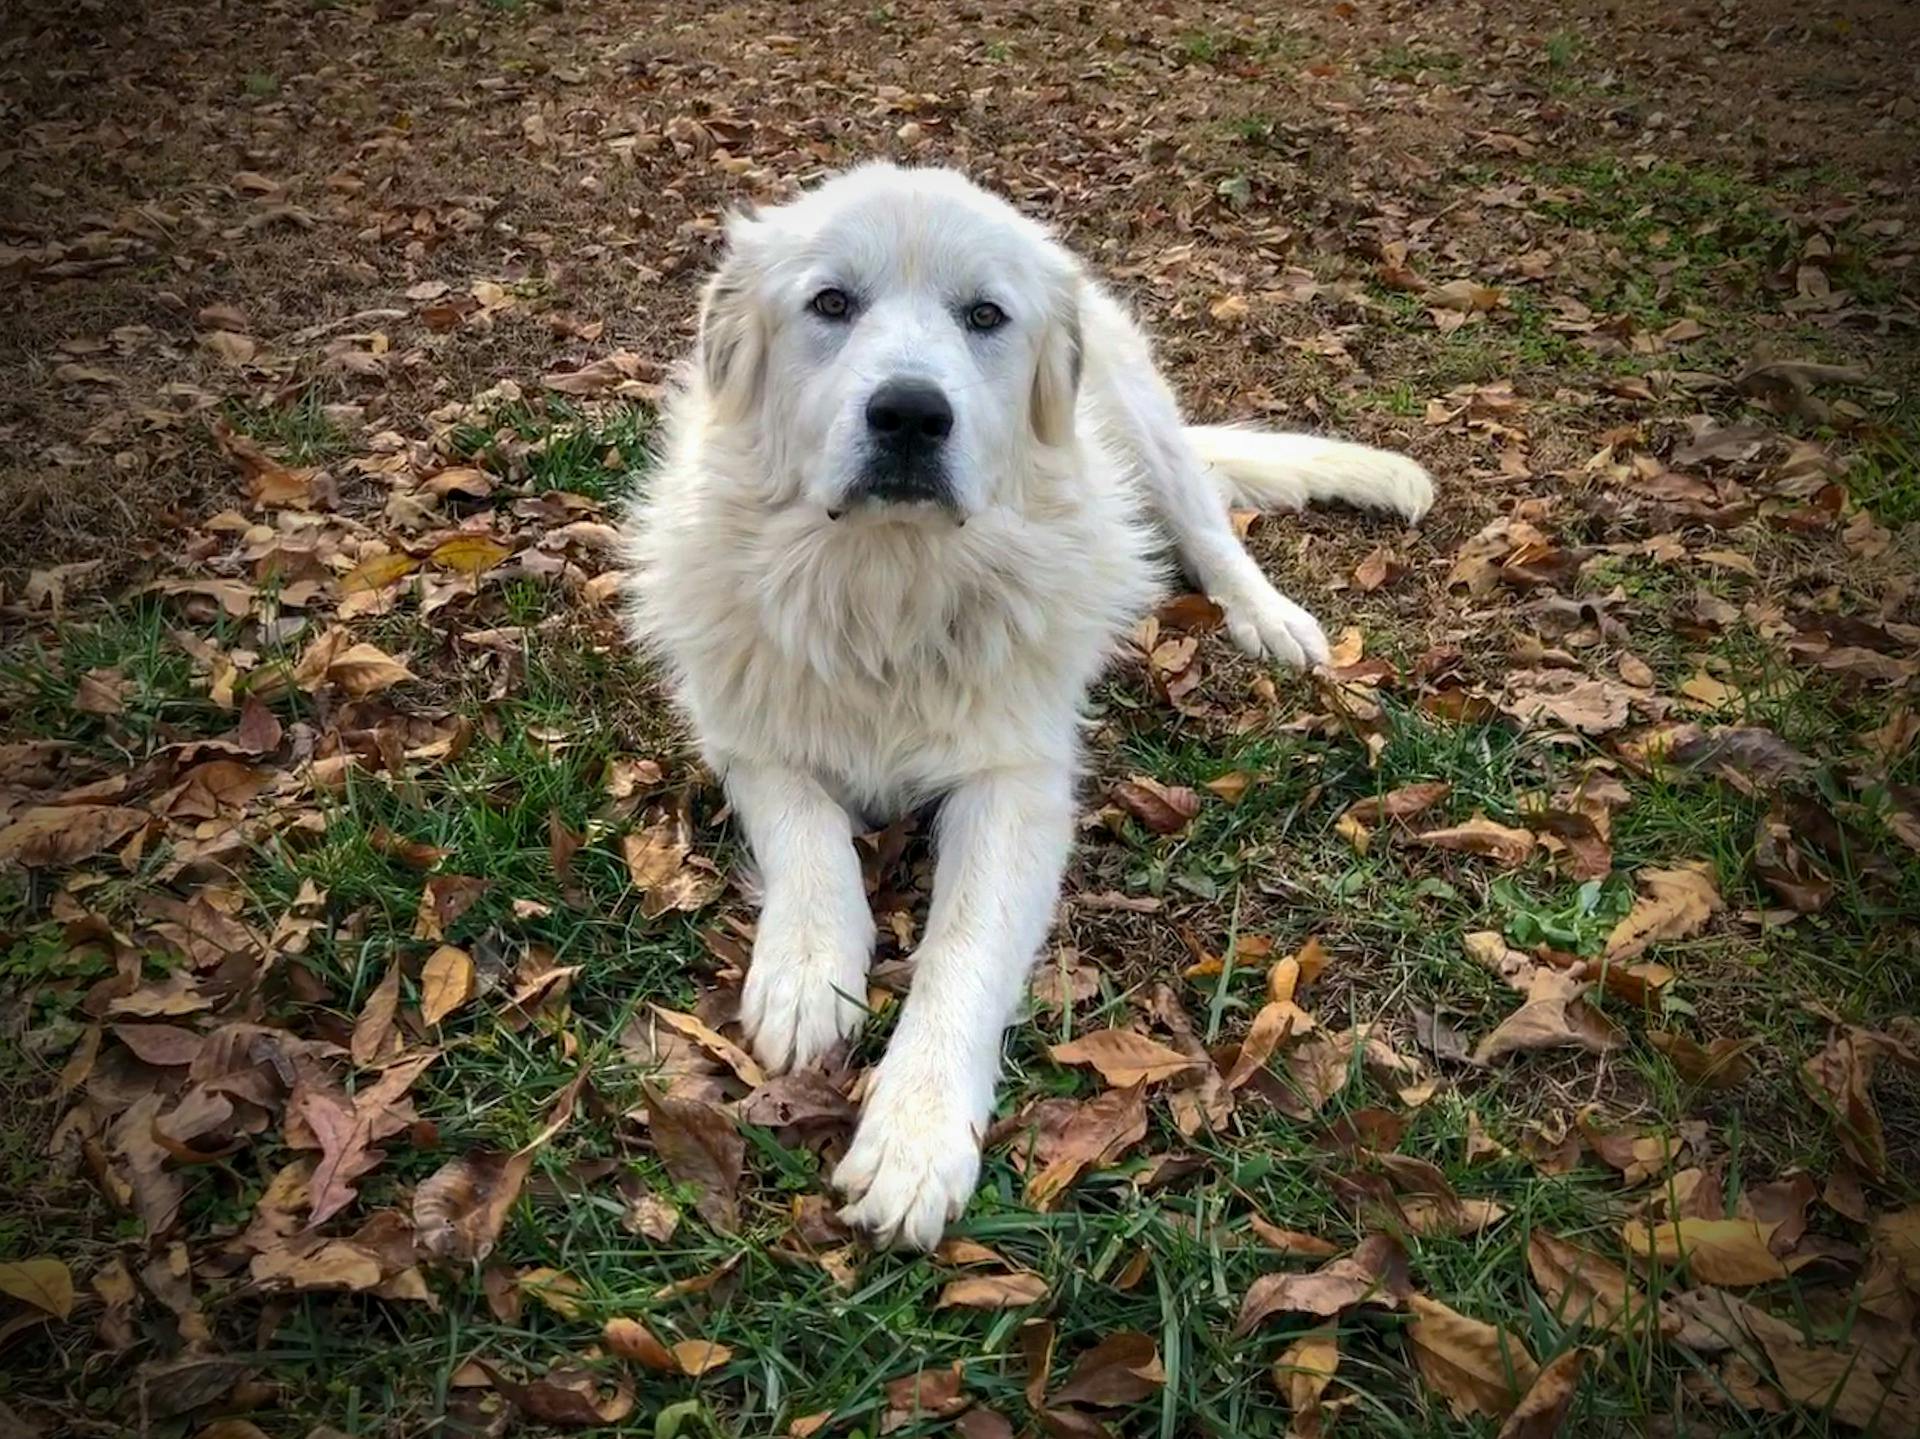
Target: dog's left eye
x,y
986,316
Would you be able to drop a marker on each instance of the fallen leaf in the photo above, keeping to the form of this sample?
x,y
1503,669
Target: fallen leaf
x,y
1715,1251
373,1037
694,1357
1123,1057
376,572
45,1283
458,1210
1840,1080
993,1291
1582,1287
446,982
634,1342
1477,1368
701,1147
470,554
1098,1132
1401,803
1485,837
65,834
1375,1273
1123,1368
1164,809
1718,1064
1542,1410
714,1043
925,1394
1291,1241
1302,1373
1674,904
1554,1015
572,1398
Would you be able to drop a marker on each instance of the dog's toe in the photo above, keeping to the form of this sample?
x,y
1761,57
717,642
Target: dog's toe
x,y
911,1169
803,994
1265,623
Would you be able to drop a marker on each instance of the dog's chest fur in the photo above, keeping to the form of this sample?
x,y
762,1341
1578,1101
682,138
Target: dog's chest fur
x,y
889,657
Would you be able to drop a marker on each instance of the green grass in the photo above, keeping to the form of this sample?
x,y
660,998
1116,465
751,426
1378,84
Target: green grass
x,y
562,447
301,432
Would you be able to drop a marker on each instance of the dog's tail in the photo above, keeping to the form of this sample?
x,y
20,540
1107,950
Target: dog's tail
x,y
1263,471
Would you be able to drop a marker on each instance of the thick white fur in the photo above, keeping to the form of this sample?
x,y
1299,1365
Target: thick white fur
x,y
839,670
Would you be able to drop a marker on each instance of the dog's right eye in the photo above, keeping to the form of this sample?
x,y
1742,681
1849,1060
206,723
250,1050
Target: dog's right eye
x,y
831,305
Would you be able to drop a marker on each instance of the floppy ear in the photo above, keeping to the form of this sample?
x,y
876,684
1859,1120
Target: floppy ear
x,y
1056,378
733,342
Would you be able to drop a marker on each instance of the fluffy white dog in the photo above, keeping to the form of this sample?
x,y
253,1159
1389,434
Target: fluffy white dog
x,y
915,488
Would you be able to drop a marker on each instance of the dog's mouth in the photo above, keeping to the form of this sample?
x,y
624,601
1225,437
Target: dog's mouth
x,y
901,481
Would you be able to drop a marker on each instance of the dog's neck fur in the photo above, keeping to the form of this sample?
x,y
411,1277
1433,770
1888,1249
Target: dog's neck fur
x,y
821,643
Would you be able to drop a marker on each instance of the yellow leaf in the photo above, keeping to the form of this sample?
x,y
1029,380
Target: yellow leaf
x,y
377,572
469,554
697,1356
1675,903
1716,1251
446,983
558,1291
44,1283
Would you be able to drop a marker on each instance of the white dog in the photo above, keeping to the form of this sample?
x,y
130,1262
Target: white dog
x,y
914,489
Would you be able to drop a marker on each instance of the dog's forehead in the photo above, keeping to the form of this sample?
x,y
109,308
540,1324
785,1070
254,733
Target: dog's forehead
x,y
913,227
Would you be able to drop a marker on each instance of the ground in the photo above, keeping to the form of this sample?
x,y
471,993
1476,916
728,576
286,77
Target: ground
x,y
1526,1004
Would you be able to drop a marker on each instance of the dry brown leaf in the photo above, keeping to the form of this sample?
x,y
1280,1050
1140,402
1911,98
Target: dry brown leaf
x,y
1375,1273
1291,1241
1840,1080
701,1147
1123,1368
1582,1287
714,1043
662,865
925,1394
1542,1410
1718,1064
1123,1057
1484,837
1477,1368
458,1211
1164,809
1277,1021
1715,1251
1555,1015
1401,803
1674,904
634,1342
993,1291
1098,1132
573,1398
65,834
373,1037
470,554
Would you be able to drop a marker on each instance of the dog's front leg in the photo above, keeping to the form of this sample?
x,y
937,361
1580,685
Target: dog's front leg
x,y
806,988
1003,841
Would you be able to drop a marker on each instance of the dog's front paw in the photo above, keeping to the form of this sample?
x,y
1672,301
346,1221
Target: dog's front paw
x,y
806,988
1265,623
914,1162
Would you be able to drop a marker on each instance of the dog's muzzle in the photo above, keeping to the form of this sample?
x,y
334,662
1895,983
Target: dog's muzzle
x,y
908,422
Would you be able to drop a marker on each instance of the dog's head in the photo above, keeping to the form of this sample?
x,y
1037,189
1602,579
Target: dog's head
x,y
896,342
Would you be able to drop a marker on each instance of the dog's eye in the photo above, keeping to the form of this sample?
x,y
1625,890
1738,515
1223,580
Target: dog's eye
x,y
831,305
986,316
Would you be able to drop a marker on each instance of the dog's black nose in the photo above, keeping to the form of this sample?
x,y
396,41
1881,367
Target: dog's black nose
x,y
909,415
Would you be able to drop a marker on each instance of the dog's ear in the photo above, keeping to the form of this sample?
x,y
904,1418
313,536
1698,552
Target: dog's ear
x,y
1056,378
733,341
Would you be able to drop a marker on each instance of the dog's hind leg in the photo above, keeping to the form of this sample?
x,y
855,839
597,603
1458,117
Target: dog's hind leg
x,y
806,987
